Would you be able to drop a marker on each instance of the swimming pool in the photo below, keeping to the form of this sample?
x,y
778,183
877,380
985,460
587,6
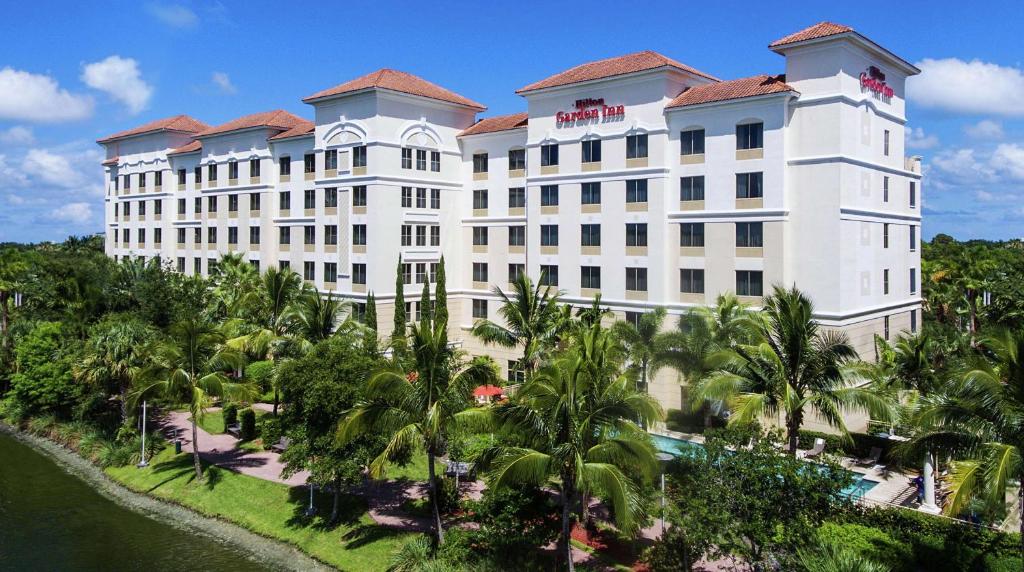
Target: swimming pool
x,y
672,446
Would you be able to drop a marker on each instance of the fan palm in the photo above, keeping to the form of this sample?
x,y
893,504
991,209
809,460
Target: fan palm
x,y
233,279
316,318
644,343
115,354
189,367
791,366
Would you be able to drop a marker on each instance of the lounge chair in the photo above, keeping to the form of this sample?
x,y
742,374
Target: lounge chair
x,y
234,430
815,451
872,458
281,446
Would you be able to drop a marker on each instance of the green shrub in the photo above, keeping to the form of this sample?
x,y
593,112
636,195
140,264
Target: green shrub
x,y
269,429
230,414
871,543
248,424
259,372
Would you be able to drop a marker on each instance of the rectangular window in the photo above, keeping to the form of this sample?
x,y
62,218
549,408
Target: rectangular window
x,y
636,146
421,273
211,173
548,275
480,309
181,264
406,158
913,238
309,234
549,155
406,235
421,159
749,235
331,197
750,136
885,189
211,205
142,208
885,281
359,196
435,198
549,195
181,176
158,179
254,168
406,197
283,265
749,185
591,151
691,188
549,235
435,235
691,280
433,271
359,156
590,193
885,143
359,234
479,272
197,235
913,321
517,197
254,235
284,166
913,280
330,272
128,182
749,282
516,374
309,163
211,236
480,236
515,271
636,279
885,235
590,277
359,273
198,172
181,206
158,207
516,159
284,200
885,327
590,234
309,270
480,162
435,161
331,164
128,208
406,277
232,235
233,203
421,235
158,235
255,265
480,199
331,234
254,202
233,169
636,234
517,236
636,191
913,194
181,236
285,235
309,199
691,142
691,234
142,181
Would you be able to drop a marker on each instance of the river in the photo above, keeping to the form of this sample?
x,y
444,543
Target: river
x,y
51,520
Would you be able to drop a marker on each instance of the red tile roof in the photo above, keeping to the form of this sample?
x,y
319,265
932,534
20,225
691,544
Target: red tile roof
x,y
630,63
304,128
732,89
192,147
111,161
819,30
276,119
497,123
399,81
182,123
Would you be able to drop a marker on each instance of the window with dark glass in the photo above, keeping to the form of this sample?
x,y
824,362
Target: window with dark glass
x,y
480,309
309,163
516,159
254,168
197,235
309,270
181,235
142,208
211,205
636,279
330,271
590,234
232,235
885,143
285,200
421,277
158,207
636,234
283,265
331,234
549,195
913,238
749,185
913,280
691,234
636,146
749,282
359,156
590,277
309,234
158,235
749,234
406,236
421,159
750,136
254,235
691,280
142,180
331,164
885,235
211,173
407,197
233,203
285,235
285,165
691,142
331,197
181,176
359,196
254,202
548,275
517,236
517,197
590,193
233,169
636,191
158,179
591,151
359,273
435,161
435,198
198,172
913,194
691,188
515,271
421,235
480,236
309,199
479,272
480,162
406,158
885,281
359,234
885,189
549,235
211,235
549,155
435,235
142,236
421,198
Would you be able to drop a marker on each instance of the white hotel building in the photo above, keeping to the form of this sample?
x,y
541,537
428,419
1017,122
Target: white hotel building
x,y
636,177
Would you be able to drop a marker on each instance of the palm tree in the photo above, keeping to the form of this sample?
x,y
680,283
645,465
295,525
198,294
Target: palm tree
x,y
644,343
791,366
978,420
189,367
832,556
316,318
533,317
575,419
115,354
234,278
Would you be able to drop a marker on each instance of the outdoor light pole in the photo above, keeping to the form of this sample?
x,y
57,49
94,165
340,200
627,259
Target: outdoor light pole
x,y
663,459
311,510
142,459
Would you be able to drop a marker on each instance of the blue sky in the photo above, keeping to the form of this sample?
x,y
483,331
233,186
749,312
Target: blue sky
x,y
72,72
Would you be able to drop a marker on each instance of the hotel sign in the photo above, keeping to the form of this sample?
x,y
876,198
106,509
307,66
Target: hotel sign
x,y
589,108
873,79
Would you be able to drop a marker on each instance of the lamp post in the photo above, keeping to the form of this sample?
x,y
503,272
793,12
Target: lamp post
x,y
311,511
142,458
663,459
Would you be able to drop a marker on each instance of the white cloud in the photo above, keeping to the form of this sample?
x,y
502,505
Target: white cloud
x,y
1002,165
1008,158
955,85
15,199
963,165
223,83
985,129
26,96
74,213
916,139
121,79
17,135
174,15
51,168
10,176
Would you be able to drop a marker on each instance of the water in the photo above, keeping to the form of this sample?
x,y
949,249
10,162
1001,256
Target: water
x,y
51,520
858,488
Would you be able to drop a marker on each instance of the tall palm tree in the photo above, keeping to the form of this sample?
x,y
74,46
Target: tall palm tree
x,y
644,343
317,318
189,367
533,320
978,420
791,367
574,420
115,354
234,278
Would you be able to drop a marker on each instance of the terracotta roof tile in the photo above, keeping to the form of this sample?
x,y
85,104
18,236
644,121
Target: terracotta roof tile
x,y
111,161
732,89
192,147
304,128
182,123
630,63
819,30
395,80
276,119
497,123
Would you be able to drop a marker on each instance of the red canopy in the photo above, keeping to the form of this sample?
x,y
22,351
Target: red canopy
x,y
488,391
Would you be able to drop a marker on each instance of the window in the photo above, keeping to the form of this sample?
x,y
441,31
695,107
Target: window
x,y
158,207
406,197
691,188
634,318
749,185
480,162
309,199
211,235
435,235
197,235
158,179
421,274
158,235
309,234
406,235
517,198
254,235
636,146
590,277
636,234
285,200
749,282
549,155
309,163
590,194
636,279
331,164
421,159
479,272
285,235
254,202
255,265
331,234
181,236
590,235
480,309
885,281
142,208
406,158
359,273
913,194
885,327
198,172
913,280
128,182
517,236
309,270
515,271
435,161
885,143
233,203
211,205
330,272
549,235
548,275
232,169
691,234
516,374
591,151
284,165
181,206
142,181
359,156
691,142
913,321
421,235
913,238
516,159
125,237
480,236
435,198
480,199
331,197
691,280
254,168
359,234
232,235
211,265
750,136
283,265
181,264
885,235
749,235
359,196
636,191
211,173
549,195
885,189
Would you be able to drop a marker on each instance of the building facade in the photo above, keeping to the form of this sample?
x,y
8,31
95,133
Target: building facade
x,y
638,178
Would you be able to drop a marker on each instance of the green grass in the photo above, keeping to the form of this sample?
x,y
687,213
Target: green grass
x,y
416,470
270,509
213,421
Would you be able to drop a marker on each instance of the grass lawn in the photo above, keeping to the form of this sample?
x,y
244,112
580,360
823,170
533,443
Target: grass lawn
x,y
213,421
270,509
416,470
